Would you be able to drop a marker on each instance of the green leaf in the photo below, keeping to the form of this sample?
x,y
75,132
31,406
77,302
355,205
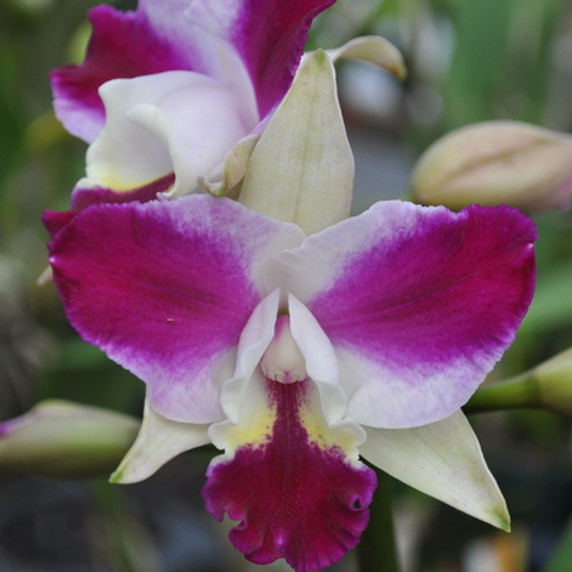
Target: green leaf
x,y
563,557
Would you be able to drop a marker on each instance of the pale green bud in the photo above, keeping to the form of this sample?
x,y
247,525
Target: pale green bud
x,y
547,386
496,162
554,381
65,440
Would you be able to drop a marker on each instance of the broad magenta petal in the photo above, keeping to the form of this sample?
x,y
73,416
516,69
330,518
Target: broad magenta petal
x,y
268,35
122,45
226,40
165,288
83,197
419,303
296,493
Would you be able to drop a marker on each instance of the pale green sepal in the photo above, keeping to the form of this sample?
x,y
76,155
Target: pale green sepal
x,y
225,178
159,440
444,460
302,168
375,50
61,439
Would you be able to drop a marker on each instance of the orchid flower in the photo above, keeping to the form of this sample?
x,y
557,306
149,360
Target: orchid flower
x,y
295,354
177,93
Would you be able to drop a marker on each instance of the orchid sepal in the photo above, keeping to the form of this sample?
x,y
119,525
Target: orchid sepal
x,y
226,178
445,461
375,50
159,440
308,116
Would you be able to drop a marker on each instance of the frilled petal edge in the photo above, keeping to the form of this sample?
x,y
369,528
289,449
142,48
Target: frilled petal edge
x,y
290,480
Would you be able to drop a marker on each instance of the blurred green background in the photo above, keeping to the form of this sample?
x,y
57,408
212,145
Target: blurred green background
x,y
468,61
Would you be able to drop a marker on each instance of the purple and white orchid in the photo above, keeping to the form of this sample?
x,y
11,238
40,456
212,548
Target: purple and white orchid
x,y
295,354
293,342
176,93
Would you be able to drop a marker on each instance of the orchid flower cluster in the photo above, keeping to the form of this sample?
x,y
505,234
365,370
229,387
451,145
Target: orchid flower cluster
x,y
209,251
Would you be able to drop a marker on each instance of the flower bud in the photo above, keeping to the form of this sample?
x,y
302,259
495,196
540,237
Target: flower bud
x,y
65,440
547,386
496,162
554,380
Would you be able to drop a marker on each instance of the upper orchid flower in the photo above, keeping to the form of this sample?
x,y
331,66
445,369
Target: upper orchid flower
x,y
295,354
177,92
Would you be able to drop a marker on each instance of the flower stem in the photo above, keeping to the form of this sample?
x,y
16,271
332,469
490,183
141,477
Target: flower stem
x,y
376,551
519,391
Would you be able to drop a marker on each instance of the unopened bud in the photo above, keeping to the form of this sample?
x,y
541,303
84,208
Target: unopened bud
x,y
554,379
496,162
65,440
547,386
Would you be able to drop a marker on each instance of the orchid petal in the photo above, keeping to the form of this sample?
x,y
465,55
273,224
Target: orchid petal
x,y
419,303
226,177
294,484
254,340
253,46
158,37
373,49
443,460
122,45
159,124
165,288
321,362
83,197
311,182
159,440
268,35
274,430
